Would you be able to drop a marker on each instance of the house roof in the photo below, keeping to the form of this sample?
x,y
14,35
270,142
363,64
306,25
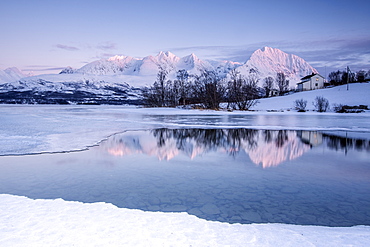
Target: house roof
x,y
309,76
302,82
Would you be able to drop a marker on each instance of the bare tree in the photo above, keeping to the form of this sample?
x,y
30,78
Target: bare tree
x,y
213,89
367,75
160,85
268,84
183,85
335,77
157,93
242,93
282,83
150,95
300,105
251,92
234,89
321,104
171,94
360,76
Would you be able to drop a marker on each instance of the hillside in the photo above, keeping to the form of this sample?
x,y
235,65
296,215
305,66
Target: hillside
x,y
358,94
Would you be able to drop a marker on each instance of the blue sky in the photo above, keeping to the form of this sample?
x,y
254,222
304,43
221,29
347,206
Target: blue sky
x,y
46,36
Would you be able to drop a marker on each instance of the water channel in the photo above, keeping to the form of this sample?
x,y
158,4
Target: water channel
x,y
228,175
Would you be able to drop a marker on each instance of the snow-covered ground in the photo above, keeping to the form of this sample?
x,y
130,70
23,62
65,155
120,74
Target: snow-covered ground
x,y
28,129
26,222
357,94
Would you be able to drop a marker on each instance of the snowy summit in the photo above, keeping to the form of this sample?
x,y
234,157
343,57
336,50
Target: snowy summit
x,y
269,61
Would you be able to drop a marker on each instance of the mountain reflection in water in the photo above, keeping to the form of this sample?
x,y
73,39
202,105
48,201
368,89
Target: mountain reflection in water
x,y
265,147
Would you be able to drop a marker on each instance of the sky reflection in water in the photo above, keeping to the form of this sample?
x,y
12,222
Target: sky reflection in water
x,y
230,175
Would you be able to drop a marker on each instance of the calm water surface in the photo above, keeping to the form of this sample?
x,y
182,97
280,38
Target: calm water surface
x,y
228,175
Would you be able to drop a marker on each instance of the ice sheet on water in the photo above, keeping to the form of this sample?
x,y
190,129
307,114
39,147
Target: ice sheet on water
x,y
37,129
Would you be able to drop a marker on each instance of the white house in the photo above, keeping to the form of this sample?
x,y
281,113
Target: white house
x,y
311,82
312,138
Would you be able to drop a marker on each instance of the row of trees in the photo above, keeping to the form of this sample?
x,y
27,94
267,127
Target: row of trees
x,y
208,89
342,77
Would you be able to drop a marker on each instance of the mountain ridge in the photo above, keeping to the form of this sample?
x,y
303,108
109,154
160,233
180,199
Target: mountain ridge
x,y
263,62
116,77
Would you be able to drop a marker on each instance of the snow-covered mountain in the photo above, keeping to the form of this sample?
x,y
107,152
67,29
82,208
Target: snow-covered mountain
x,y
68,88
269,61
118,75
10,75
263,63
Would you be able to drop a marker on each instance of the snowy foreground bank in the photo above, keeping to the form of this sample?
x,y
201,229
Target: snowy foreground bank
x,y
26,222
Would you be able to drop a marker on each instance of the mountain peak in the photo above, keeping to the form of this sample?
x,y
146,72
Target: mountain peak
x,y
67,70
265,48
167,60
191,57
165,54
268,50
116,57
269,61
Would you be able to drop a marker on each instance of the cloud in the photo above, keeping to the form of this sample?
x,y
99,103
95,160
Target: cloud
x,y
67,48
326,55
233,53
43,68
107,55
100,56
337,54
107,46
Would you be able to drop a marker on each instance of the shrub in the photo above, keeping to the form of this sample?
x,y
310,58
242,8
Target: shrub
x,y
300,105
321,104
339,108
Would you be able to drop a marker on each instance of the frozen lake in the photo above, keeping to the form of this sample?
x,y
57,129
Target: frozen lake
x,y
232,174
29,129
